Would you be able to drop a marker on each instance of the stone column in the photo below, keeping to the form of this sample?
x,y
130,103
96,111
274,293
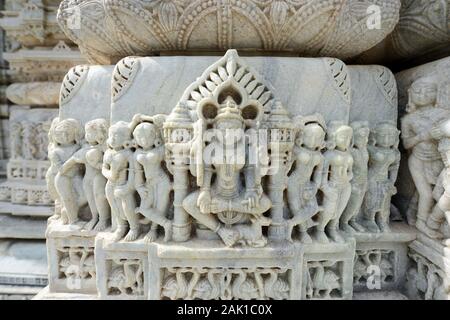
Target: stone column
x,y
178,134
281,142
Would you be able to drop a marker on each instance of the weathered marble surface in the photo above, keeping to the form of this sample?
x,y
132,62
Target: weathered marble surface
x,y
34,93
422,33
174,226
339,29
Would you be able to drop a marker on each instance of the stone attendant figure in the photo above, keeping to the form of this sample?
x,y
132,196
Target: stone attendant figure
x,y
336,186
152,182
53,169
118,168
441,211
305,180
383,169
350,217
226,197
424,162
66,136
91,156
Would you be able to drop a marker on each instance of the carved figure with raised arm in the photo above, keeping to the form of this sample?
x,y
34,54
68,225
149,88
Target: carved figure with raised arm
x,y
336,178
306,178
384,164
350,220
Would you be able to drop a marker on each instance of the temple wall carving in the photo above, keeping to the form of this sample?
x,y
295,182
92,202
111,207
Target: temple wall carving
x,y
236,162
225,149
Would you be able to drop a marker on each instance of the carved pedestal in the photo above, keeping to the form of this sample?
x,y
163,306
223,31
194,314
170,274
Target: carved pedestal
x,y
428,276
381,259
71,259
122,269
275,272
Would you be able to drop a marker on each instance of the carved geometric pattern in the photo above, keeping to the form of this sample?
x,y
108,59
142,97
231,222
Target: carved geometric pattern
x,y
113,29
72,83
229,72
341,77
123,76
225,283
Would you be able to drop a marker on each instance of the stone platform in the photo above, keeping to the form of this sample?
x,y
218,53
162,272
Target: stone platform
x,y
90,265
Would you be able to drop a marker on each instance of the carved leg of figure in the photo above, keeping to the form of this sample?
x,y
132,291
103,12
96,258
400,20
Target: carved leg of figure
x,y
88,188
304,236
152,235
436,218
228,236
323,220
101,203
349,219
369,221
302,219
424,189
129,207
158,218
121,230
68,198
383,216
333,231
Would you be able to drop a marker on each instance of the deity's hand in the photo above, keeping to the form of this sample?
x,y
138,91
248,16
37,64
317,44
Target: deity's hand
x,y
218,206
437,133
252,199
204,201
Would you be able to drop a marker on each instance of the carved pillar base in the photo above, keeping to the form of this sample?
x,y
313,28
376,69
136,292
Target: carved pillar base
x,y
71,259
116,261
428,276
381,259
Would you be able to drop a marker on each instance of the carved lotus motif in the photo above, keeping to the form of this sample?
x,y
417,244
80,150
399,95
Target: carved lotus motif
x,y
112,29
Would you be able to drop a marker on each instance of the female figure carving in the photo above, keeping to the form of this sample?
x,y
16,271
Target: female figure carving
x,y
66,136
91,156
383,169
349,220
118,168
336,178
306,179
152,182
424,161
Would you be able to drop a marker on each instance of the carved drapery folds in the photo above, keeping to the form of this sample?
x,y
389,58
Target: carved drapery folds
x,y
113,29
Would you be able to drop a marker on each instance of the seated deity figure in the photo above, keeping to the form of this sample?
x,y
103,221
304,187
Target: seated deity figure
x,y
384,164
152,182
224,201
336,187
66,136
305,180
118,169
424,161
91,156
350,218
